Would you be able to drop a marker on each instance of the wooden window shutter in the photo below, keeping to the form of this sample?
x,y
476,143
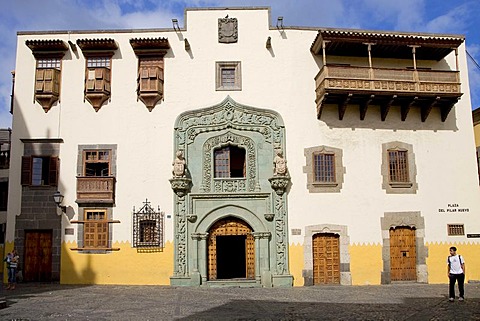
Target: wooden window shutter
x,y
39,80
26,170
99,73
48,74
53,171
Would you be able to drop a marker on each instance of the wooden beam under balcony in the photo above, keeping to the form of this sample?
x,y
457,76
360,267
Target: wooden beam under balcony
x,y
345,85
95,189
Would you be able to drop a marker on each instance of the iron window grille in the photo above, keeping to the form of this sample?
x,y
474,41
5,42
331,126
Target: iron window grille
x,y
148,227
455,229
324,168
398,161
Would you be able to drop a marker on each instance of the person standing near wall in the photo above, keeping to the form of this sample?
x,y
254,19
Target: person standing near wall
x,y
12,264
456,273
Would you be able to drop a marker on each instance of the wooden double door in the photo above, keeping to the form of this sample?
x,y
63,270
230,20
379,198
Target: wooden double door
x,y
38,256
231,250
326,258
403,254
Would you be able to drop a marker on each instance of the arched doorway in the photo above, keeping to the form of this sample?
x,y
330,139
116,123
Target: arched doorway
x,y
326,258
231,250
403,254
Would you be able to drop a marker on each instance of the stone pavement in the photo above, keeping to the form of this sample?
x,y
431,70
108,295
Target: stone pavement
x,y
115,302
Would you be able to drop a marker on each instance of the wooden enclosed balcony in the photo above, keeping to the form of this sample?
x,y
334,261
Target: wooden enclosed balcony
x,y
93,189
348,86
363,86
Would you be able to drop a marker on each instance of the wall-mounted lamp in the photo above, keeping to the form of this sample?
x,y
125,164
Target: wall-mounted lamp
x,y
280,23
58,199
187,44
175,25
269,43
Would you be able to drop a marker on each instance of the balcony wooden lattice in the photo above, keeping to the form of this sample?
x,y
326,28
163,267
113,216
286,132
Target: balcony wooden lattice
x,y
363,86
95,189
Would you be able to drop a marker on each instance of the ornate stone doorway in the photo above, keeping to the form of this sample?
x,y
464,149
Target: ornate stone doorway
x,y
231,250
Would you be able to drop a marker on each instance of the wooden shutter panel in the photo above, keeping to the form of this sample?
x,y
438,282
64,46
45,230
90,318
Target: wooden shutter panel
x,y
26,178
39,80
53,171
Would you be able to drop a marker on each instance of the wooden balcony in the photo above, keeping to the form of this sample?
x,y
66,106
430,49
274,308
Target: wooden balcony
x,y
92,189
345,85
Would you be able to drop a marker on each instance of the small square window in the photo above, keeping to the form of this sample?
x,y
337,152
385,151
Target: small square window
x,y
228,76
455,229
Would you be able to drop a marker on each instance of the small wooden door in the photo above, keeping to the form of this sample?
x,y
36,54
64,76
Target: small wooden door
x,y
38,256
326,258
403,254
231,227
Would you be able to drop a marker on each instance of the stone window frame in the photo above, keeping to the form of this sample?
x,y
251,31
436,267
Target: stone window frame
x,y
219,66
405,219
342,232
410,187
327,187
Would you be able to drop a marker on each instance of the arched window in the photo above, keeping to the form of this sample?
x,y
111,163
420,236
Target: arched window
x,y
229,162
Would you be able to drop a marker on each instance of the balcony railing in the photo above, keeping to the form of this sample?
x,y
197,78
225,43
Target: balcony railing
x,y
339,84
95,189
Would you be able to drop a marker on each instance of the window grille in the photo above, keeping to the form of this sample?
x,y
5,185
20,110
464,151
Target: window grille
x,y
94,62
324,167
455,229
398,162
228,77
48,63
148,227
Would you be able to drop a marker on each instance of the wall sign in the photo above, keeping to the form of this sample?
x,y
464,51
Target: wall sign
x,y
453,208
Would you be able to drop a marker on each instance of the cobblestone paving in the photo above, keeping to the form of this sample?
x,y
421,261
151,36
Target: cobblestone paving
x,y
386,302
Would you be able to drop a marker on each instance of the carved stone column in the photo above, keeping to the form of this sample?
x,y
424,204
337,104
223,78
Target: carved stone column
x,y
181,187
263,274
281,272
199,240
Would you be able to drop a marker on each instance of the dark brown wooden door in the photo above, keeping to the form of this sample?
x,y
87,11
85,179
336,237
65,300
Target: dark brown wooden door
x,y
326,258
403,254
231,227
38,256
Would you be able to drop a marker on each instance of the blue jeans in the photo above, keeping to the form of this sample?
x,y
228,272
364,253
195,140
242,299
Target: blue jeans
x,y
12,275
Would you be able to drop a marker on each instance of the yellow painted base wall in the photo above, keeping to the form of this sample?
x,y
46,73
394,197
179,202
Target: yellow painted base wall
x,y
366,263
126,266
437,261
296,263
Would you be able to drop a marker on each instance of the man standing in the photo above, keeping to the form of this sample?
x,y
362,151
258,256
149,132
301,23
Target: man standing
x,y
456,273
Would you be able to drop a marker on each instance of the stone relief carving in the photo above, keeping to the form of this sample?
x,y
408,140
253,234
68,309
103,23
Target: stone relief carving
x,y
228,185
181,237
179,165
227,30
279,163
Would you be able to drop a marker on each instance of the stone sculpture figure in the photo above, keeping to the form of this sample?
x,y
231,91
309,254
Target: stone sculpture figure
x,y
279,164
179,165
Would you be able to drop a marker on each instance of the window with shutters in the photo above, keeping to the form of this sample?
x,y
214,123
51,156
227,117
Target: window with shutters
x,y
98,54
228,75
229,162
48,55
398,168
150,80
94,231
39,171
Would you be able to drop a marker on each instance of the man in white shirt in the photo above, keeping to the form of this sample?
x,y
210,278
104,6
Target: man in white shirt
x,y
456,273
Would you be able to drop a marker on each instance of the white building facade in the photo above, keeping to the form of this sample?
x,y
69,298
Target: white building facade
x,y
301,155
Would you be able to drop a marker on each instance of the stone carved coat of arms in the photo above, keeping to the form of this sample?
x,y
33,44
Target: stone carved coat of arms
x,y
227,30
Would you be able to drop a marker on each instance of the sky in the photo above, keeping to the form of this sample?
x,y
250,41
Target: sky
x,y
432,16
